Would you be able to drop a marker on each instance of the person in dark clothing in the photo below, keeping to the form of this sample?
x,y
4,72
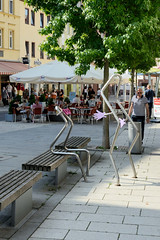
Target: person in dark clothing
x,y
85,92
138,109
4,96
91,92
149,94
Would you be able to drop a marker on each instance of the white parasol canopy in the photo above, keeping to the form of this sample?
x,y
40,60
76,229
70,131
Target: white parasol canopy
x,y
60,72
56,72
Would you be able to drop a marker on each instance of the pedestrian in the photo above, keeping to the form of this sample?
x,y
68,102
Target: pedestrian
x,y
149,94
4,96
91,92
85,92
98,93
14,91
9,90
138,106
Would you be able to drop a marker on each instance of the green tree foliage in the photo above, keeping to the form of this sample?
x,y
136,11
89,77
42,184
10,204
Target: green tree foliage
x,y
123,34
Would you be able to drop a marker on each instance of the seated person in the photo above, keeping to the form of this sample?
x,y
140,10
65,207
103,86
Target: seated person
x,y
19,108
36,104
76,99
53,95
92,102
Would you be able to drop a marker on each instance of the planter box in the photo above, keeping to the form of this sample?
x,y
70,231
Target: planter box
x,y
9,117
54,118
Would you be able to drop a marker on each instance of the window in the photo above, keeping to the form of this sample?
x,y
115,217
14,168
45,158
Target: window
x,y
41,20
11,39
1,5
33,49
41,54
32,18
11,6
26,16
1,43
48,19
27,47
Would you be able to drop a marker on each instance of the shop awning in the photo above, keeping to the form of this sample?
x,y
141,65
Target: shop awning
x,y
9,68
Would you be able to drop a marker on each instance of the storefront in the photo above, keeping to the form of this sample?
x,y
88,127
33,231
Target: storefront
x,y
8,68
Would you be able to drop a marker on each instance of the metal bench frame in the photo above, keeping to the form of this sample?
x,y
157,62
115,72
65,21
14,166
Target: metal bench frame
x,y
56,158
68,146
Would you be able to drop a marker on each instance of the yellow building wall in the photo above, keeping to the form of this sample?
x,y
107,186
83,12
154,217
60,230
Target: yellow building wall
x,y
23,32
10,22
30,33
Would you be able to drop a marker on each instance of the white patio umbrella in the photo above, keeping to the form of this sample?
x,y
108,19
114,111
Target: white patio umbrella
x,y
59,72
55,72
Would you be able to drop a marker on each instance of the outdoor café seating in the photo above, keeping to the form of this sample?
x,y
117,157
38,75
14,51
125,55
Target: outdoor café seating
x,y
37,114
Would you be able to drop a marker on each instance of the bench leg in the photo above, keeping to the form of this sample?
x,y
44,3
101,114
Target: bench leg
x,y
60,172
85,154
21,207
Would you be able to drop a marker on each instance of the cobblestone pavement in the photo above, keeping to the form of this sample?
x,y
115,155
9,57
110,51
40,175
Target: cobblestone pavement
x,y
97,209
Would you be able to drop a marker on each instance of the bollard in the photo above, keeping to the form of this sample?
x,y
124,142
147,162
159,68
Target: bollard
x,y
131,134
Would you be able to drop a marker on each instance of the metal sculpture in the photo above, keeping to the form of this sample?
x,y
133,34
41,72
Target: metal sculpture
x,y
117,79
68,151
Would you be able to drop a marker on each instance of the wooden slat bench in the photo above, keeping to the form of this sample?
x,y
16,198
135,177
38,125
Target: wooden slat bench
x,y
75,142
48,162
16,188
45,162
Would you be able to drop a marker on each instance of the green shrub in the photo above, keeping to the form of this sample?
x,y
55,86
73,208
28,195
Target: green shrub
x,y
50,102
42,98
10,110
67,100
31,99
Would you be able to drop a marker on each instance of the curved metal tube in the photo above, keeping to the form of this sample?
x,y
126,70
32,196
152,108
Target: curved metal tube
x,y
118,125
65,118
78,160
134,140
62,130
88,156
79,150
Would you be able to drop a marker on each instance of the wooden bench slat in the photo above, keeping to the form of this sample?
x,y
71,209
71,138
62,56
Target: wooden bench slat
x,y
43,159
27,179
45,165
75,142
11,179
18,179
5,178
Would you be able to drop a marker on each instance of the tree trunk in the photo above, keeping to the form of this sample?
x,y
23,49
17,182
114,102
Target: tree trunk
x,y
105,139
132,82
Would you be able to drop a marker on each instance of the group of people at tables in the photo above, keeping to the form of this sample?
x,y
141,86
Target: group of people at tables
x,y
77,102
24,108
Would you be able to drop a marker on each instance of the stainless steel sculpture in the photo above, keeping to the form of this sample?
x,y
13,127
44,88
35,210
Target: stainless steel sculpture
x,y
117,79
68,151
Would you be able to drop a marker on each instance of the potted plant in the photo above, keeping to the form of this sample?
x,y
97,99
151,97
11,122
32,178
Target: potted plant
x,y
67,100
50,102
31,99
9,117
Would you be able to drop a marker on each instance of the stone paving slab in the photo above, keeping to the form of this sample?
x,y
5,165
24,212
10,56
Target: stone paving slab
x,y
97,209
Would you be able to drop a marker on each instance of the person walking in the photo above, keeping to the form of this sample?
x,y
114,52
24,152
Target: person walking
x,y
9,90
85,92
149,94
139,104
4,96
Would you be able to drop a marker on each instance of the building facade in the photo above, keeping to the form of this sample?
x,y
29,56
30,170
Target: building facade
x,y
20,42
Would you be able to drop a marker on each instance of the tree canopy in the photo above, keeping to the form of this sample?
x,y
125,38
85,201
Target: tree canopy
x,y
126,33
122,34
